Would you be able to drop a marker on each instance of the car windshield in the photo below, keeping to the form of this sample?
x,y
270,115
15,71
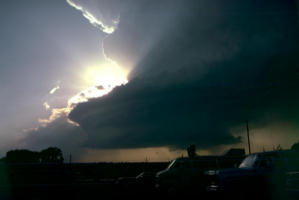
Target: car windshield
x,y
249,162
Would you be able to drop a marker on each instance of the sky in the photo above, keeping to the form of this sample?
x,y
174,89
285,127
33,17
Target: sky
x,y
135,80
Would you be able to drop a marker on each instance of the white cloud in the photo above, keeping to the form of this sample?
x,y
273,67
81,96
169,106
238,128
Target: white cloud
x,y
56,113
54,89
47,106
94,20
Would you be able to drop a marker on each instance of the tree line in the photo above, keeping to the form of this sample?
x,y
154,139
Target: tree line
x,y
49,155
54,155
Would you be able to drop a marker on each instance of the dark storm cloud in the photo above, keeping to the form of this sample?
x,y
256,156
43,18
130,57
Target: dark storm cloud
x,y
199,70
59,133
151,116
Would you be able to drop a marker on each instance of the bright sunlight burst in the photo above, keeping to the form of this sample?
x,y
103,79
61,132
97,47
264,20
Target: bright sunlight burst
x,y
101,80
105,75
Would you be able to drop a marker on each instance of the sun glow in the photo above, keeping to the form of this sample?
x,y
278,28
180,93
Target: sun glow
x,y
100,80
105,75
97,81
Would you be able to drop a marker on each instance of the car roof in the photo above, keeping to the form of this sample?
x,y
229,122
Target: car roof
x,y
282,153
199,158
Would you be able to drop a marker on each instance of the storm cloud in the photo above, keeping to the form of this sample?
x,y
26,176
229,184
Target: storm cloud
x,y
199,69
59,133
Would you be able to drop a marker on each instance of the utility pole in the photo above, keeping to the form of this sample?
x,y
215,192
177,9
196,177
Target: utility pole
x,y
249,149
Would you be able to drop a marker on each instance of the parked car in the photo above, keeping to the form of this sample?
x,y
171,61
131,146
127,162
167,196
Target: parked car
x,y
186,175
142,183
182,175
264,174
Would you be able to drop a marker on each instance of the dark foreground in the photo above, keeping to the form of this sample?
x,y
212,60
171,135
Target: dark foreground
x,y
102,180
110,190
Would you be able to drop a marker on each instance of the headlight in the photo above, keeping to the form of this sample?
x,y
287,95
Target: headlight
x,y
211,172
213,188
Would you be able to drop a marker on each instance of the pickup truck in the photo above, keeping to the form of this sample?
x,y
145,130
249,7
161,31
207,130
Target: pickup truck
x,y
185,176
267,175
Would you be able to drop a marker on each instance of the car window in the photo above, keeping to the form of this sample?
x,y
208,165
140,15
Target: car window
x,y
179,164
249,162
271,161
268,162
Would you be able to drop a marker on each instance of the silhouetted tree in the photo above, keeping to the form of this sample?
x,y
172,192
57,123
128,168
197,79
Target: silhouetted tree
x,y
22,156
51,155
191,151
295,146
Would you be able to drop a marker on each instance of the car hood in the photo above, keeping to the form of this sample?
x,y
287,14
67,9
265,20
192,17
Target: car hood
x,y
161,172
230,172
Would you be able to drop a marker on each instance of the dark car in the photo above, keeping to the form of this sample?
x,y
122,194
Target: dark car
x,y
183,175
264,174
142,183
186,175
